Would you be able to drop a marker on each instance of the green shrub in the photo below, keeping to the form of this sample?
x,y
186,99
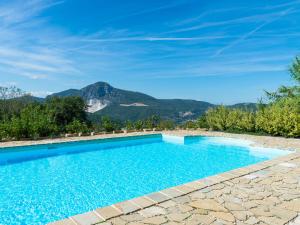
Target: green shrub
x,y
33,122
217,118
129,125
107,124
151,122
223,119
166,125
4,130
190,125
76,126
280,118
240,120
202,122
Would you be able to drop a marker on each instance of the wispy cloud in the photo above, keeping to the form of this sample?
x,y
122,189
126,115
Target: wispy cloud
x,y
247,35
202,16
242,20
211,70
147,11
134,39
24,48
19,11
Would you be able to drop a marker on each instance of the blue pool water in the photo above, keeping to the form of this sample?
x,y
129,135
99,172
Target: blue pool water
x,y
50,182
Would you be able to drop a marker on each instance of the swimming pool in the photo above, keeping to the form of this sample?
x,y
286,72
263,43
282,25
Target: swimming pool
x,y
44,183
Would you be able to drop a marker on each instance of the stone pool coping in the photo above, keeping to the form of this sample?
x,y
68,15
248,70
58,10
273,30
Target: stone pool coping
x,y
103,214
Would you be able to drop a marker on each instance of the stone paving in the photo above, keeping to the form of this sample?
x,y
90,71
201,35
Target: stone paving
x,y
264,193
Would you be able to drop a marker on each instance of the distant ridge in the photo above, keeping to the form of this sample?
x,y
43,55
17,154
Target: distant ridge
x,y
103,99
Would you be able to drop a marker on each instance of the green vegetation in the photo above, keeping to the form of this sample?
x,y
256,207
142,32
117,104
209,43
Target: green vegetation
x,y
31,119
225,119
280,117
76,126
153,122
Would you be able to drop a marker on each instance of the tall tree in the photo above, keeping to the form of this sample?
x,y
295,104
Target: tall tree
x,y
65,110
12,100
288,91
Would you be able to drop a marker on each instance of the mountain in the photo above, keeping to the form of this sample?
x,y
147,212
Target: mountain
x,y
103,99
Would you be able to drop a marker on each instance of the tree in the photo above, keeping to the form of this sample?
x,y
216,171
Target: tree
x,y
10,92
33,119
152,122
12,100
76,126
107,123
37,122
65,110
295,70
288,91
139,125
129,125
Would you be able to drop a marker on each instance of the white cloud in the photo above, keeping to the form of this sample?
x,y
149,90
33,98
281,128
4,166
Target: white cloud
x,y
41,94
26,40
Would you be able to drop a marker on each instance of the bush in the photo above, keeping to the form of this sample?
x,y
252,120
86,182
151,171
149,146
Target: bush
x,y
240,120
36,122
4,134
139,125
107,124
151,122
33,122
226,119
190,125
76,126
166,125
129,125
217,118
202,122
280,118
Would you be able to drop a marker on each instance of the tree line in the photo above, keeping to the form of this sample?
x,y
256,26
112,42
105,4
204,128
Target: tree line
x,y
23,117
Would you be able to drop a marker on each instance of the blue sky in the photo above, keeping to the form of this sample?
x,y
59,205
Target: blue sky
x,y
218,51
